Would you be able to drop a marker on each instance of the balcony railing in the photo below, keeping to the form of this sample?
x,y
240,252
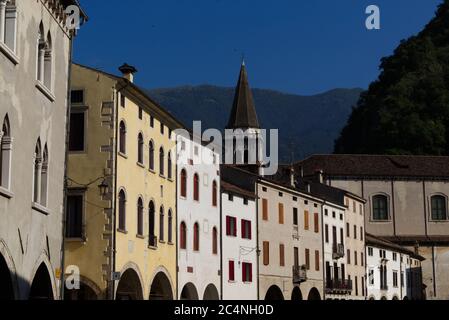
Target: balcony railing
x,y
384,287
339,285
338,251
152,241
299,274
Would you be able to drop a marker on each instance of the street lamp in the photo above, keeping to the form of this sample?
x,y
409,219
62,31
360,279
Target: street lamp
x,y
104,187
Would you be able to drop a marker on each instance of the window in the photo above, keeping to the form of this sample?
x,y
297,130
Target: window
x,y
152,241
170,226
362,259
77,134
122,100
231,226
140,148
317,223
395,256
183,183
196,187
265,209
161,161
348,230
214,241
214,193
196,237
355,232
77,97
8,24
281,213
230,197
266,253
371,277
183,236
161,224
306,220
151,121
326,212
356,258
380,208
247,272
140,217
307,258
348,256
37,172
5,154
317,260
439,208
162,129
245,201
361,233
370,251
326,233
122,137
151,146
295,217
44,58
402,280
74,219
356,286
140,113
395,279
122,210
246,229
231,271
170,167
282,255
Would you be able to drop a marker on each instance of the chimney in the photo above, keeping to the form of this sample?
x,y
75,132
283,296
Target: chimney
x,y
320,176
292,177
128,72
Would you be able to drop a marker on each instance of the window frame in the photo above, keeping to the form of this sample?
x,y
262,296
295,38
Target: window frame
x,y
77,192
387,208
434,218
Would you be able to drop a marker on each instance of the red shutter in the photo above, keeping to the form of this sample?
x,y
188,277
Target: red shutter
x,y
250,272
231,271
228,226
243,272
249,230
243,229
235,228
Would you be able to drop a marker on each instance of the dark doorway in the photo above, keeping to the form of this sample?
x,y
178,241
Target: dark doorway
x,y
314,295
161,288
274,294
211,293
189,292
41,288
296,294
6,286
129,287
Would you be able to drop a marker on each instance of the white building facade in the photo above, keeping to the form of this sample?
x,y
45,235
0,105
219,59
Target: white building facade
x,y
198,201
393,272
239,243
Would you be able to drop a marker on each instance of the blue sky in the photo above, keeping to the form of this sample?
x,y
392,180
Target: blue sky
x,y
296,46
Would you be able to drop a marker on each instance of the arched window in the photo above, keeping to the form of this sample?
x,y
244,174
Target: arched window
x,y
140,217
246,150
184,183
152,155
196,187
183,236
140,148
151,214
196,237
122,138
5,154
8,24
161,224
380,208
169,167
214,193
170,226
161,161
122,210
41,47
37,172
48,62
214,241
439,208
44,177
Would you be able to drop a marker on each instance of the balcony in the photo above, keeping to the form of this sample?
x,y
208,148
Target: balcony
x,y
338,286
338,251
299,274
295,233
152,242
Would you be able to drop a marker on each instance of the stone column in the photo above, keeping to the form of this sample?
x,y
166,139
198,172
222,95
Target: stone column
x,y
2,20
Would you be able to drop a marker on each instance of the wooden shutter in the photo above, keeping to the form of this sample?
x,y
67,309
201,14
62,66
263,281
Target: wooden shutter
x,y
281,213
228,226
307,259
265,209
234,227
317,223
282,255
249,226
317,260
231,271
266,253
306,220
250,272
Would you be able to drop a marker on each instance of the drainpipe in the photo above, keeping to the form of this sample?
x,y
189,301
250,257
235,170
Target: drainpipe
x,y
66,159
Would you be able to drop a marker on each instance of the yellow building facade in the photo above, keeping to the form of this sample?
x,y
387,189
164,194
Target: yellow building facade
x,y
121,198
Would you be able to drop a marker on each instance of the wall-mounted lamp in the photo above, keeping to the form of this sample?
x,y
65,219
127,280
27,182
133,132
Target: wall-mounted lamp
x,y
104,187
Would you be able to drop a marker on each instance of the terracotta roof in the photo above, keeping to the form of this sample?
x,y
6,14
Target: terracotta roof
x,y
229,187
243,114
376,166
371,240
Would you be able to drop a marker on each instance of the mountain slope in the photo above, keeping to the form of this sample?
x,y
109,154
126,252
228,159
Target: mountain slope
x,y
307,124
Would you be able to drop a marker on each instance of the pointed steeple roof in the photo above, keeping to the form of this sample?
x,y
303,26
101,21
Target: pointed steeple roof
x,y
243,114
